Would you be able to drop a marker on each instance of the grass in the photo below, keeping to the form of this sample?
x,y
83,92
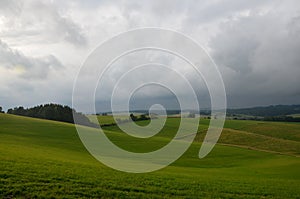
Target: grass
x,y
103,119
282,130
274,137
45,159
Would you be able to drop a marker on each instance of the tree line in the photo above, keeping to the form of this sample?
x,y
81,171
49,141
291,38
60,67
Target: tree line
x,y
55,112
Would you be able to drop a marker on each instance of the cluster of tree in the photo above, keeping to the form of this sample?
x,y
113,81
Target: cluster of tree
x,y
52,112
140,118
1,111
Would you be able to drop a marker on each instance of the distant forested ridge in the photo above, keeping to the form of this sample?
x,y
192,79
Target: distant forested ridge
x,y
267,111
278,113
55,112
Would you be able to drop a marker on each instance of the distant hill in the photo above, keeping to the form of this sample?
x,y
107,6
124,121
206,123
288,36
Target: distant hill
x,y
267,111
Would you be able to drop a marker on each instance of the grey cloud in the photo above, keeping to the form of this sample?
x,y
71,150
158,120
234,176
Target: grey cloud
x,y
255,43
40,19
294,26
62,26
10,7
235,51
259,56
207,11
28,81
27,67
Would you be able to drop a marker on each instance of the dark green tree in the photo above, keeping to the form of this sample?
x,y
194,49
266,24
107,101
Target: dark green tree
x,y
133,118
55,112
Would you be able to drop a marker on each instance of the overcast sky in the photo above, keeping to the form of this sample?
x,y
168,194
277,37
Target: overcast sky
x,y
255,44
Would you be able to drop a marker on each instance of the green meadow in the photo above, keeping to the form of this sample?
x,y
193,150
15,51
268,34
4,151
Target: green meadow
x,y
46,159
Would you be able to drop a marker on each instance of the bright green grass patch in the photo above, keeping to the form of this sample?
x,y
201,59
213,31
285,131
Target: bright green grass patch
x,y
261,142
283,130
273,140
44,159
105,119
109,119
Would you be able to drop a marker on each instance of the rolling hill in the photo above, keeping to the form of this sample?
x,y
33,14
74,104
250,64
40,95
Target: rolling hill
x,y
42,158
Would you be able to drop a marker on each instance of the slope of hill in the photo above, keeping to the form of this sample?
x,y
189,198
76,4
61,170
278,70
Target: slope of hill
x,y
277,137
41,158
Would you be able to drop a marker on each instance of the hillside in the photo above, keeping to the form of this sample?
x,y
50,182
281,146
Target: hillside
x,y
277,137
42,158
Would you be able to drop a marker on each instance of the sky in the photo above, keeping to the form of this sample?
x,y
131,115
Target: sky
x,y
255,45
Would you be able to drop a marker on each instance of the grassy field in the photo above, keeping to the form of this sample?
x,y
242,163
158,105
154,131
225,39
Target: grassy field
x,y
108,119
45,159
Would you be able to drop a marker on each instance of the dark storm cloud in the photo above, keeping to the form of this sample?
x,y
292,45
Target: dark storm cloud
x,y
255,44
260,58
